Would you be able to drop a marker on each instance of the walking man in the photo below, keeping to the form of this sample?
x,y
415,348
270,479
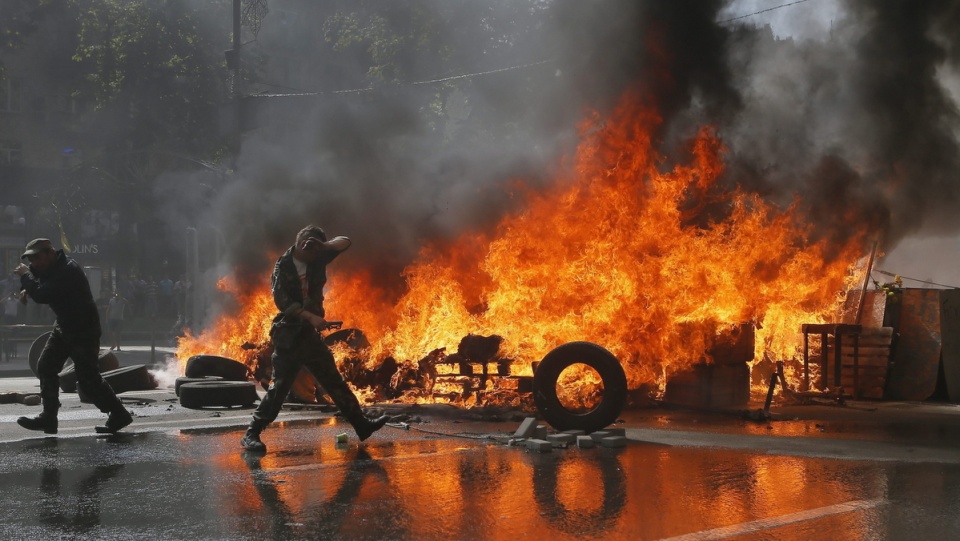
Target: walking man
x,y
298,280
53,278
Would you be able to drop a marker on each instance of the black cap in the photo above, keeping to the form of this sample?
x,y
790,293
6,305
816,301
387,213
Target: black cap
x,y
37,246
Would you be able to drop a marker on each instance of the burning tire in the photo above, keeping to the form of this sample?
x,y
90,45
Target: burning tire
x,y
222,394
68,376
35,349
352,337
614,396
200,366
180,381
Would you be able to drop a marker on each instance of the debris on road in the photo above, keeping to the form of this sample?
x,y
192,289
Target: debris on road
x,y
27,399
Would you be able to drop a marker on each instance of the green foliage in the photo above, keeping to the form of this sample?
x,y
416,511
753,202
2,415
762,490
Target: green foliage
x,y
405,42
156,66
18,20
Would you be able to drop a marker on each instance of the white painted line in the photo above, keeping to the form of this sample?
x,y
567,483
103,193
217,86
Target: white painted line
x,y
776,522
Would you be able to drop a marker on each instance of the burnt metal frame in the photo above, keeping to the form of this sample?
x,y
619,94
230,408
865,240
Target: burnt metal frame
x,y
837,330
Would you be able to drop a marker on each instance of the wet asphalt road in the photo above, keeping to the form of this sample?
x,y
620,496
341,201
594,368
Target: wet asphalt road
x,y
198,485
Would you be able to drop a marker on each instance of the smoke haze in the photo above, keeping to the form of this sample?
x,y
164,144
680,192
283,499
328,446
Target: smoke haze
x,y
856,113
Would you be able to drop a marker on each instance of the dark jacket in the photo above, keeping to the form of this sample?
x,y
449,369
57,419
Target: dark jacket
x,y
65,288
287,293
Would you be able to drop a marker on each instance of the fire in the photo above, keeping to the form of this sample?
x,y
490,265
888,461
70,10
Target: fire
x,y
228,334
648,261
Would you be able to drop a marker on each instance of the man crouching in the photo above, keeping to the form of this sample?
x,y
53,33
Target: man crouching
x,y
53,278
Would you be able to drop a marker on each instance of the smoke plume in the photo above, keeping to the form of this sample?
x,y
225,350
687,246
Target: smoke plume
x,y
860,124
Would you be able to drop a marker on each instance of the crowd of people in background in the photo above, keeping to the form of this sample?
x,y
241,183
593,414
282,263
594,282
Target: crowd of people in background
x,y
143,298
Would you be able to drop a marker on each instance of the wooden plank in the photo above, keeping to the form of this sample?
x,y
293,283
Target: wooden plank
x,y
871,333
866,352
872,341
848,343
864,380
950,332
848,357
869,372
874,363
916,359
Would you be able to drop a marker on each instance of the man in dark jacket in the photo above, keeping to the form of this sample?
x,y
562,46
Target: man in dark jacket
x,y
53,278
298,280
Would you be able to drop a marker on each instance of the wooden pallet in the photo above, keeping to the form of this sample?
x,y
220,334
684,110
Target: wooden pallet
x,y
872,361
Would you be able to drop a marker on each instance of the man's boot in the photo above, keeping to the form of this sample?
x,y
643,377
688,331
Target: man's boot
x,y
118,419
251,440
45,421
365,426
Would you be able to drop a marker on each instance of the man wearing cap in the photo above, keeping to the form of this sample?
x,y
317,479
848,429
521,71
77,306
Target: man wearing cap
x,y
298,280
53,278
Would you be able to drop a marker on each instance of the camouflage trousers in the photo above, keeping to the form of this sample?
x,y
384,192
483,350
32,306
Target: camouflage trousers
x,y
307,350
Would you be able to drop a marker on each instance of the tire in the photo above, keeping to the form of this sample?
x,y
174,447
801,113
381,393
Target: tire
x,y
200,366
614,387
130,378
223,394
107,362
121,380
352,337
180,381
68,376
36,349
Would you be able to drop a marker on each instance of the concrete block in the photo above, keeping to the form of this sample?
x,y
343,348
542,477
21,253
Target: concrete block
x,y
527,428
542,446
614,441
616,431
574,433
561,438
585,442
599,435
540,433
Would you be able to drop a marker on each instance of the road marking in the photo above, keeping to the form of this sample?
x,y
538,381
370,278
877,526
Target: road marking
x,y
776,522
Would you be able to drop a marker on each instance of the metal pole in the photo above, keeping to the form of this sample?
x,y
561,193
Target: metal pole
x,y
237,91
866,281
193,270
236,48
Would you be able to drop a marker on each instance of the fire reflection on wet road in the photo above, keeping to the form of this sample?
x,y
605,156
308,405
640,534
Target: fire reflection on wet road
x,y
407,485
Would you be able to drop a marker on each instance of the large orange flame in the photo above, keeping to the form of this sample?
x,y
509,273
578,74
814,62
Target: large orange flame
x,y
651,263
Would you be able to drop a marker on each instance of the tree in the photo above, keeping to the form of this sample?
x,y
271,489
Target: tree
x,y
19,19
154,71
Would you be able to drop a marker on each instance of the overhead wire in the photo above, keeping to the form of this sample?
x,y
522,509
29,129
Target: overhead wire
x,y
893,275
762,11
416,83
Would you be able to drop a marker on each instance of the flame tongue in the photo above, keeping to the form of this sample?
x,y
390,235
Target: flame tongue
x,y
650,264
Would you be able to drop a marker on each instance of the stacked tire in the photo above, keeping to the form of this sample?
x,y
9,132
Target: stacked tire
x,y
211,381
68,376
122,380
